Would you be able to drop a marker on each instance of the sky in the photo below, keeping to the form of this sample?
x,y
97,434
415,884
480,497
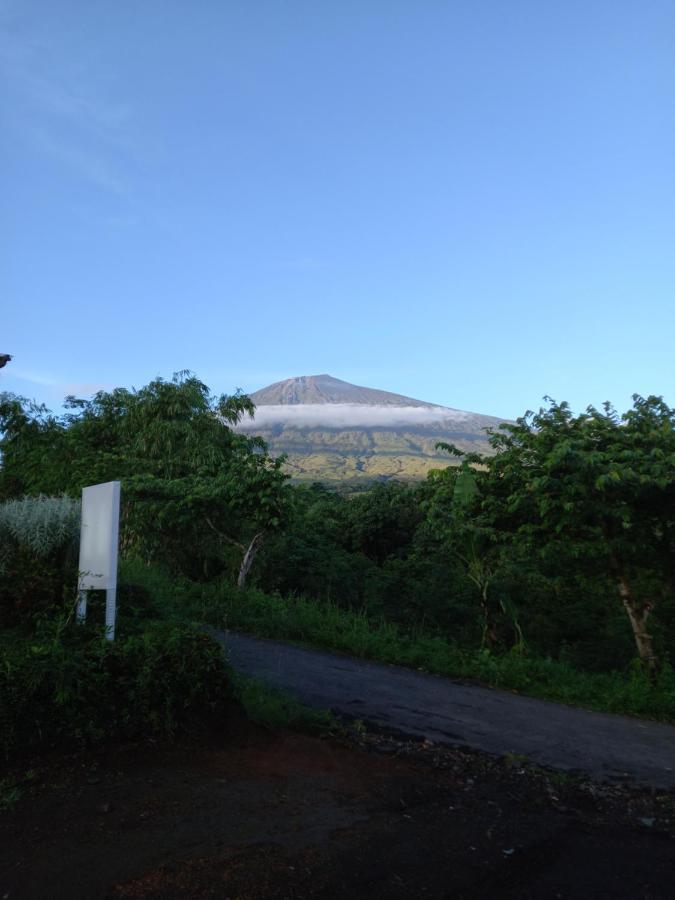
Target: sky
x,y
467,202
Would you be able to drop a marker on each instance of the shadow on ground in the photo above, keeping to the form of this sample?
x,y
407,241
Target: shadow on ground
x,y
255,814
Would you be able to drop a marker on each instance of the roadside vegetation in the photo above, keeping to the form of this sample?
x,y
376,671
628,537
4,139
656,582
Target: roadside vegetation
x,y
547,567
325,625
65,686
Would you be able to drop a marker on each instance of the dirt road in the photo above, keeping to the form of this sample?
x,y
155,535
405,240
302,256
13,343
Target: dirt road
x,y
451,712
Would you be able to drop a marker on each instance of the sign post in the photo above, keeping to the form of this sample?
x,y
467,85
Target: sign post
x,y
99,538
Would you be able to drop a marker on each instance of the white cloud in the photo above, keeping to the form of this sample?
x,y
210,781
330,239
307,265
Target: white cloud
x,y
355,415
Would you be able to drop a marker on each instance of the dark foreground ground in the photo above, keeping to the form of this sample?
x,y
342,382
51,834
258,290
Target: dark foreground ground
x,y
255,814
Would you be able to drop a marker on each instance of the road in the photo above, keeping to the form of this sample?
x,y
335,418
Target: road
x,y
451,712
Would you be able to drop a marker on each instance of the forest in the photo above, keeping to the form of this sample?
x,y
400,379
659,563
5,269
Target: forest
x,y
546,566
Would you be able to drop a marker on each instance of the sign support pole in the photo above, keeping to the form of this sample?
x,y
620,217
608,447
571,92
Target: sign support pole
x,y
110,612
81,613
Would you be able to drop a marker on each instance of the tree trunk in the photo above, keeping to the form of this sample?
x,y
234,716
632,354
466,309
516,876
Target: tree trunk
x,y
249,556
489,631
637,616
482,582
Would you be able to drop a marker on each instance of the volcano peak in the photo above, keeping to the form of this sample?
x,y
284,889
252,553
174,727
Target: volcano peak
x,y
311,389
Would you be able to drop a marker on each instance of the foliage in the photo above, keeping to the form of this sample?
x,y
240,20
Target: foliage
x,y
594,492
30,435
382,522
38,553
564,536
10,793
276,709
41,524
327,626
68,686
454,516
365,551
196,494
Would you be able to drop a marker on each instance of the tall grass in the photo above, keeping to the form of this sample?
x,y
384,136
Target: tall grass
x,y
40,524
327,626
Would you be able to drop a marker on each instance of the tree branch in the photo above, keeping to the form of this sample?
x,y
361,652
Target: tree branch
x,y
224,537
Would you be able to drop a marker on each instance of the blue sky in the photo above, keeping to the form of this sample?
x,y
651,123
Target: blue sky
x,y
471,202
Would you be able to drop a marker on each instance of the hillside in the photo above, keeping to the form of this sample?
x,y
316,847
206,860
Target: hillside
x,y
335,431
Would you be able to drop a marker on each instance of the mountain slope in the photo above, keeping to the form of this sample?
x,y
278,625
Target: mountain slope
x,y
335,431
326,389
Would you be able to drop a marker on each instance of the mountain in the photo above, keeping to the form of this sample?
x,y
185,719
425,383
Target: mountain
x,y
335,431
326,389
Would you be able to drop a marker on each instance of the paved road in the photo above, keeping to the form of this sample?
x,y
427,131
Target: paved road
x,y
446,711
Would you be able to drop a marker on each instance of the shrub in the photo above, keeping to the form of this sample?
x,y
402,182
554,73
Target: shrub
x,y
38,555
68,686
43,525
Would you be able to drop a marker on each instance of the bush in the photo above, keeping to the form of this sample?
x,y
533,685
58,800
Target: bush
x,y
147,592
38,555
44,525
68,686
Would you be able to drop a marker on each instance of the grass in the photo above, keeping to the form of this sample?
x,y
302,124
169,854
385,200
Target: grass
x,y
45,681
275,709
158,595
327,626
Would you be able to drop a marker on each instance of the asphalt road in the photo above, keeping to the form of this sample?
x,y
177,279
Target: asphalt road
x,y
451,712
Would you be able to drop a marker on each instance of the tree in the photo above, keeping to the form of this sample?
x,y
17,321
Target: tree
x,y
596,490
455,513
193,486
382,521
30,448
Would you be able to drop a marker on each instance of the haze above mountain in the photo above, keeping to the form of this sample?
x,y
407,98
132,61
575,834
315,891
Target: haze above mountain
x,y
332,430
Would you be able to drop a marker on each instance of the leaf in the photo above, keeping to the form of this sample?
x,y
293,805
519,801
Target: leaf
x,y
466,488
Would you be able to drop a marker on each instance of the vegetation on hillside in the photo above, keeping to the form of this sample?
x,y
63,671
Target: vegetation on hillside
x,y
335,432
333,456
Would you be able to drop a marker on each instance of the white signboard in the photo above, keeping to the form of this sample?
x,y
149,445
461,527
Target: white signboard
x,y
99,538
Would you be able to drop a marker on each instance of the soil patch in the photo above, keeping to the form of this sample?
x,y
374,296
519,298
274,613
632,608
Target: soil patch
x,y
255,814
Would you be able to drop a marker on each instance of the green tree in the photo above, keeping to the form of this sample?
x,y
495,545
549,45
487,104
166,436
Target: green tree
x,y
193,486
596,491
455,513
312,555
30,449
381,522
